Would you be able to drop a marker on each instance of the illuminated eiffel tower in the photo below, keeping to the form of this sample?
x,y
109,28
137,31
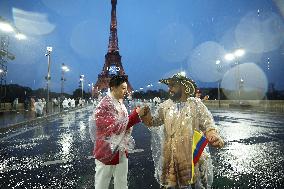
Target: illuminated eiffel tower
x,y
113,65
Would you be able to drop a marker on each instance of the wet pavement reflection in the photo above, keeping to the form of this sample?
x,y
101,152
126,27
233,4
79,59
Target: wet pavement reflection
x,y
57,154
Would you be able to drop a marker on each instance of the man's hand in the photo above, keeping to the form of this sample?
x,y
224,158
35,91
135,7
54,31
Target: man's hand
x,y
138,110
214,139
144,111
145,115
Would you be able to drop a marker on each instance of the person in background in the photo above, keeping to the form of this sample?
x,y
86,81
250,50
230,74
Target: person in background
x,y
206,97
15,104
26,104
198,94
39,108
32,104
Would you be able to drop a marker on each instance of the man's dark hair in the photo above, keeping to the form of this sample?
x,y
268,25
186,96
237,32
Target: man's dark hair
x,y
117,80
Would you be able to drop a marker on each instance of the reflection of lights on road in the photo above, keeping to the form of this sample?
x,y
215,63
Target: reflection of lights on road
x,y
66,139
82,130
66,142
248,149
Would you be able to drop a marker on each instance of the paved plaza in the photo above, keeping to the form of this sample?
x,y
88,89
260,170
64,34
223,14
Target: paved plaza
x,y
56,153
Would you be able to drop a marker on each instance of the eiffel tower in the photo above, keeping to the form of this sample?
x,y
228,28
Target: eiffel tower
x,y
113,65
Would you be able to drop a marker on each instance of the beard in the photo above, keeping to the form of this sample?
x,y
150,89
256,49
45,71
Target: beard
x,y
175,96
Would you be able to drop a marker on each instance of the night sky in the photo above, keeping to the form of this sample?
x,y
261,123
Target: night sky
x,y
157,38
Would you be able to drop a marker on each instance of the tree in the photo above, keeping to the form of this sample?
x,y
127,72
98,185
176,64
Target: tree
x,y
78,94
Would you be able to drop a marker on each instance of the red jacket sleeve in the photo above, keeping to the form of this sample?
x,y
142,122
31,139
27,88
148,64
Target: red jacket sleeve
x,y
133,119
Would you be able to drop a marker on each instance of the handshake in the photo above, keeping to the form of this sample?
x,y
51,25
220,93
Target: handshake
x,y
145,114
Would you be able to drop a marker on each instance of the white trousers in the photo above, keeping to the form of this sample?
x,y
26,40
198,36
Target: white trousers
x,y
105,172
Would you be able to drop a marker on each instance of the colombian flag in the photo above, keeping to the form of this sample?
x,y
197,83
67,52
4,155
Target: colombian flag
x,y
199,142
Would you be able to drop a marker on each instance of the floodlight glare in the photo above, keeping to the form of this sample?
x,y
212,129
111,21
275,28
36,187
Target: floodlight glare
x,y
239,52
229,56
49,49
20,36
6,27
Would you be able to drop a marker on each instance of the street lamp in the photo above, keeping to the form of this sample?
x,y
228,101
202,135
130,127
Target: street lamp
x,y
218,62
235,56
48,52
89,86
82,84
64,69
5,30
92,90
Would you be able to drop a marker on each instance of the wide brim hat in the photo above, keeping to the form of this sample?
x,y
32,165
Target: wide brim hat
x,y
189,84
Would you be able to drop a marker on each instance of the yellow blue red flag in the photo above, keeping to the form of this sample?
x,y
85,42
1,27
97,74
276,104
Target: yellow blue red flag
x,y
199,142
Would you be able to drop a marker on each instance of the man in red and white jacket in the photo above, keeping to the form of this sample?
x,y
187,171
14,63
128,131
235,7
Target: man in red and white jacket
x,y
112,136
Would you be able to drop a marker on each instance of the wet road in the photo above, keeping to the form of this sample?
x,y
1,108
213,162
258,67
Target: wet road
x,y
57,154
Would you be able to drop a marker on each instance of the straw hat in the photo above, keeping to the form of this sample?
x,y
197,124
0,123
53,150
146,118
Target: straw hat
x,y
190,86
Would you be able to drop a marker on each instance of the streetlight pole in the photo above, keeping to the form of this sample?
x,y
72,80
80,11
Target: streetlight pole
x,y
219,96
82,84
48,52
238,53
62,83
219,68
238,82
64,69
89,86
231,56
92,90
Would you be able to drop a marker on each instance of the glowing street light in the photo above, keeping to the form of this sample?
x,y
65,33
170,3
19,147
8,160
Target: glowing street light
x,y
229,56
232,56
6,27
239,52
20,36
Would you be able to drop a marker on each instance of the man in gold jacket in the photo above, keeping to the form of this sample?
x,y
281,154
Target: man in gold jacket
x,y
173,126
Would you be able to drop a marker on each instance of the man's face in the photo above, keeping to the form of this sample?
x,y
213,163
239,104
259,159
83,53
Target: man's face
x,y
175,90
120,91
